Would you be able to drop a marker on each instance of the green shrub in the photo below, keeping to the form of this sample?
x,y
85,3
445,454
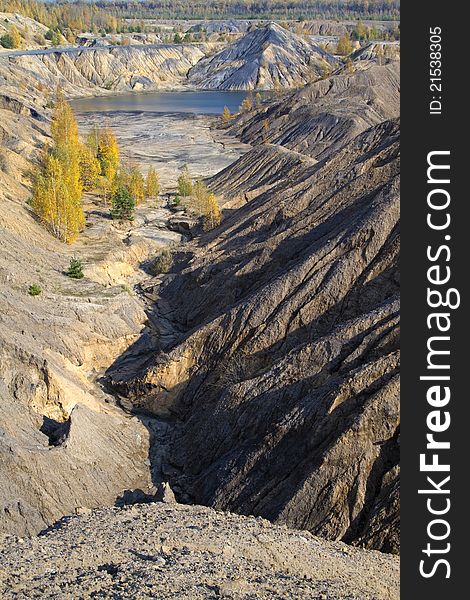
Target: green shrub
x,y
185,185
12,39
123,205
75,269
34,289
7,41
55,37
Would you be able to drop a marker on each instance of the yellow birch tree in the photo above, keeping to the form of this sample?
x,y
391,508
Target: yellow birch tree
x,y
57,187
152,184
108,153
226,115
90,168
53,202
212,214
136,185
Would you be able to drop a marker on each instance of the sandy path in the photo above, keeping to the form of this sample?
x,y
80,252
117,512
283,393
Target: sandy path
x,y
168,141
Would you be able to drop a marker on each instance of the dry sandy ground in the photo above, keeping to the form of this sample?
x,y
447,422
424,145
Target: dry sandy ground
x,y
189,552
168,142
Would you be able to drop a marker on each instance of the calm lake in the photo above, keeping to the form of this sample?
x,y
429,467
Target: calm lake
x,y
196,102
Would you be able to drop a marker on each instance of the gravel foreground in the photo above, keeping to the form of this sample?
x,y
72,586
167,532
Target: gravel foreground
x,y
190,552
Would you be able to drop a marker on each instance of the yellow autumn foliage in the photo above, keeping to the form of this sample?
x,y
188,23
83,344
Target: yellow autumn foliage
x,y
64,128
90,168
152,184
226,115
136,185
57,186
55,203
212,215
108,153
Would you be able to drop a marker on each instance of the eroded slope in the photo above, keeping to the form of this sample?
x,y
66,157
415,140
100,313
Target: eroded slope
x,y
321,117
81,71
265,58
51,347
284,374
63,444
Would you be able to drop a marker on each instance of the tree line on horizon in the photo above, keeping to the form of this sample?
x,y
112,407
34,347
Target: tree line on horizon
x,y
67,18
255,9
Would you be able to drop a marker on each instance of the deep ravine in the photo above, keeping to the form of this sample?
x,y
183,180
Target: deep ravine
x,y
55,348
205,150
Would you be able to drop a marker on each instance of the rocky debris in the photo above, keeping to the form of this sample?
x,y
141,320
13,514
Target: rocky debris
x,y
194,552
131,497
339,28
263,59
182,222
320,118
91,40
223,26
156,493
285,372
379,52
166,493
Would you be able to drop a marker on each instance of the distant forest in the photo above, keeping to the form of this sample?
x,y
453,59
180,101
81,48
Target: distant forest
x,y
256,9
112,15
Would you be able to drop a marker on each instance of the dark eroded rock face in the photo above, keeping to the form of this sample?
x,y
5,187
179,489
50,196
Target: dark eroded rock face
x,y
263,59
321,117
285,369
